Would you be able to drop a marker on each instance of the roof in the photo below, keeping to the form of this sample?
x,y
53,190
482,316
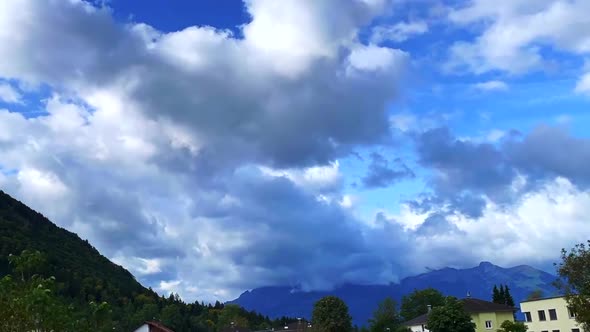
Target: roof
x,y
157,327
543,298
472,306
422,319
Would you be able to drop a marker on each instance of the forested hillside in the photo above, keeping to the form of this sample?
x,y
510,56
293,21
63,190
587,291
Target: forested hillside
x,y
85,290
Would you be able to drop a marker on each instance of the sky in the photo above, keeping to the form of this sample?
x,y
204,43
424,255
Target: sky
x,y
211,147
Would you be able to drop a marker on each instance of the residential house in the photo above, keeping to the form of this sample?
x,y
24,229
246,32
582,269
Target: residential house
x,y
486,315
299,326
549,315
152,327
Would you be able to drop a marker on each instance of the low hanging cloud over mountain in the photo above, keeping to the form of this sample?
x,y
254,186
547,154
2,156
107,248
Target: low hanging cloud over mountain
x,y
211,160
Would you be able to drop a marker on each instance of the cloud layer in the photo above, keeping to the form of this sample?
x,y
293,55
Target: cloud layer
x,y
209,162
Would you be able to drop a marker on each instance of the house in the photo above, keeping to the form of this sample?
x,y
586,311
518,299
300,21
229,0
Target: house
x,y
299,326
152,327
549,314
487,316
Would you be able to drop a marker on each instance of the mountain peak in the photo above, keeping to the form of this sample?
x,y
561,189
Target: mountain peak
x,y
486,264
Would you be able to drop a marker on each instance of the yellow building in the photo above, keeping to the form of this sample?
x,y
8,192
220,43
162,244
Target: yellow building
x,y
487,316
549,315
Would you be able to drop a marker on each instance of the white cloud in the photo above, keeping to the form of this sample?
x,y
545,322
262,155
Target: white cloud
x,y
399,32
523,233
151,143
377,59
9,95
514,33
139,266
491,86
583,85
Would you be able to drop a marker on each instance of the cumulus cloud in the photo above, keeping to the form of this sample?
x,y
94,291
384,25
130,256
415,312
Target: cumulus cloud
x,y
467,172
514,33
195,152
398,32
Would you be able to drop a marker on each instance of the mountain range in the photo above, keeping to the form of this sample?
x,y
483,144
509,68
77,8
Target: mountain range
x,y
363,299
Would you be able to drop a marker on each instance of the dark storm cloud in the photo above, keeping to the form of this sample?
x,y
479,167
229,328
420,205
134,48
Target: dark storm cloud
x,y
382,173
551,151
463,165
291,232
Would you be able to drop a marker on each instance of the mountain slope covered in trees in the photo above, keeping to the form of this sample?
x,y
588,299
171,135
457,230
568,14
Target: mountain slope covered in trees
x,y
86,284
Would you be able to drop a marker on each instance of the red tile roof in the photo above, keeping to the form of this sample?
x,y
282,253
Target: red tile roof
x,y
158,327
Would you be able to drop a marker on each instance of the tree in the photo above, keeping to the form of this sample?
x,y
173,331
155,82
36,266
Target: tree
x,y
450,317
330,314
232,313
385,317
416,303
502,295
508,300
28,302
171,316
574,281
496,295
509,326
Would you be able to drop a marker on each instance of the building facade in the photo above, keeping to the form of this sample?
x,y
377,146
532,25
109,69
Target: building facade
x,y
549,315
487,316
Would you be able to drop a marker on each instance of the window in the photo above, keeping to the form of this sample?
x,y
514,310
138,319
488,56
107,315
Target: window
x,y
555,331
552,314
575,330
542,317
488,324
571,313
527,317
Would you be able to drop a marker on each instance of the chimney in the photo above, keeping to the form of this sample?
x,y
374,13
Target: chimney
x,y
429,308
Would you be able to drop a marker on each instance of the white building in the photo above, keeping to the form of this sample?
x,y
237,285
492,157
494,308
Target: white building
x,y
549,315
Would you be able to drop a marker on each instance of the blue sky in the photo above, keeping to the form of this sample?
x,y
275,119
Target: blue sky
x,y
211,147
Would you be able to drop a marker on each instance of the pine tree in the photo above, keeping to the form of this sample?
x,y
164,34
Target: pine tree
x,y
509,300
502,295
496,295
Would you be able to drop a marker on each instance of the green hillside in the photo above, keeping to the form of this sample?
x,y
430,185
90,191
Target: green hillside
x,y
89,292
81,269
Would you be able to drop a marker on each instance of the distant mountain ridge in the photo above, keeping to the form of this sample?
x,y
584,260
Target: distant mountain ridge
x,y
363,299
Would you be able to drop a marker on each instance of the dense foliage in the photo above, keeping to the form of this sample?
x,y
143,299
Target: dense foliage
x,y
574,281
386,317
60,273
416,303
450,317
330,314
